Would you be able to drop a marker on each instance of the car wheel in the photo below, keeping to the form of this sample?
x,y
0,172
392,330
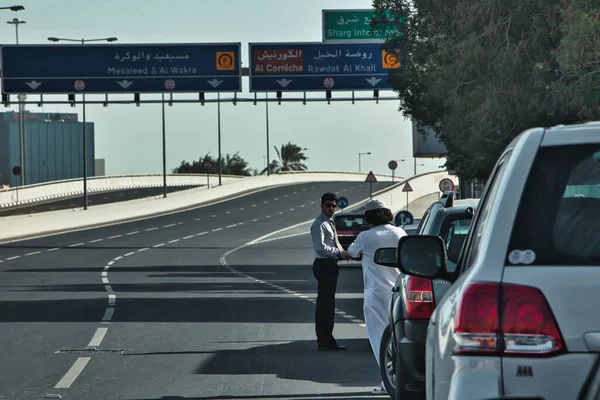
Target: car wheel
x,y
405,385
387,362
397,382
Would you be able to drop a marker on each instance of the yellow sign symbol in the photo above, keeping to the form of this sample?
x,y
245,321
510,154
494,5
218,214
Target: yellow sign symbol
x,y
225,60
390,60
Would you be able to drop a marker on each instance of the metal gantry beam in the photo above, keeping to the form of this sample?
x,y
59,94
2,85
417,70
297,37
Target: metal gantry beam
x,y
6,101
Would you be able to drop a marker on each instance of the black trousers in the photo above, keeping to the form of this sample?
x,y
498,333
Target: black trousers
x,y
326,271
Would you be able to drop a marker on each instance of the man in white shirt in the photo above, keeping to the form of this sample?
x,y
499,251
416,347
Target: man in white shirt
x,y
327,252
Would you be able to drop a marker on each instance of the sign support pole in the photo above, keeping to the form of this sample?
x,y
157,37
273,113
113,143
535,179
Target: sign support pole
x,y
268,146
406,201
85,198
370,190
22,137
219,134
164,148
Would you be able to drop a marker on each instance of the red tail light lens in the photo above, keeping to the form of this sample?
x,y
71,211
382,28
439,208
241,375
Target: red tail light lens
x,y
528,324
419,302
477,320
505,319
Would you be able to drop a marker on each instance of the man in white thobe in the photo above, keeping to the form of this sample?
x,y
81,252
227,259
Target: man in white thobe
x,y
378,280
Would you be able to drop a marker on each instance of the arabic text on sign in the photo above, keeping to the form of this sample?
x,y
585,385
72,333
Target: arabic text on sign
x,y
347,54
142,55
366,20
279,56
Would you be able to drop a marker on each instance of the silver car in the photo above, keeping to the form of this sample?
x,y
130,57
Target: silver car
x,y
522,316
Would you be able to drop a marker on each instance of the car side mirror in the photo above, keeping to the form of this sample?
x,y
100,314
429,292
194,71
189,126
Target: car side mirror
x,y
386,256
422,255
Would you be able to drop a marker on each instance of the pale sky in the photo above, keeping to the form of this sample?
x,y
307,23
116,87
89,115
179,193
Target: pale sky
x,y
129,137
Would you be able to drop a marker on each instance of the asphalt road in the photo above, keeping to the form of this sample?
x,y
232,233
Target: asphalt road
x,y
175,307
93,199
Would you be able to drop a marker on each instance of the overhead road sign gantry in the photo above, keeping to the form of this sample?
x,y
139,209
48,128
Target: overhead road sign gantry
x,y
129,68
316,66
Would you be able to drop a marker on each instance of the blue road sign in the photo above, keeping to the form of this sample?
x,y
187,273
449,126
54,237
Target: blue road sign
x,y
304,67
129,68
342,202
404,218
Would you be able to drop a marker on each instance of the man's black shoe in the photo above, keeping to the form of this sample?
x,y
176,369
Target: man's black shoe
x,y
331,347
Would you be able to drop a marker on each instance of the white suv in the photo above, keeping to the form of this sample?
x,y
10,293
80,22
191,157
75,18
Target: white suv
x,y
522,317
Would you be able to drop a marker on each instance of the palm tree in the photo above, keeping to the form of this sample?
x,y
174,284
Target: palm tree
x,y
291,158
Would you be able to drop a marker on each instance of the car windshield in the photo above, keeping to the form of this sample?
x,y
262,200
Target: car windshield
x,y
559,213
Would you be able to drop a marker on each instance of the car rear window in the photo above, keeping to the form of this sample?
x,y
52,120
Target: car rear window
x,y
454,234
558,221
349,222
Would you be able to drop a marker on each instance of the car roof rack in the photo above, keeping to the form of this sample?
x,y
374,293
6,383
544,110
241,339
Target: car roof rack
x,y
447,199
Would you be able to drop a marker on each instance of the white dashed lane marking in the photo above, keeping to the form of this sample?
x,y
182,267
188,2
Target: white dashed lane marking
x,y
98,336
72,373
33,253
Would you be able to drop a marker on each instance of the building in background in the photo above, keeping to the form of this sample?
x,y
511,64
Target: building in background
x,y
53,147
100,167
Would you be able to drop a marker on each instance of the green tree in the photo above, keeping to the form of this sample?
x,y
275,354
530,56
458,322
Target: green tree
x,y
480,73
231,165
291,158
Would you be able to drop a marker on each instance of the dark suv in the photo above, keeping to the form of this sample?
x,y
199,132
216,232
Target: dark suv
x,y
402,352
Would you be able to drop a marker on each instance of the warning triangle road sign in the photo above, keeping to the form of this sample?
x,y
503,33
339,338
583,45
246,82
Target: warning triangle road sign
x,y
371,178
407,188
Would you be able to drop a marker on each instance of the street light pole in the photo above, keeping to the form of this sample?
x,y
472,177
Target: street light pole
x,y
393,171
359,155
16,22
84,141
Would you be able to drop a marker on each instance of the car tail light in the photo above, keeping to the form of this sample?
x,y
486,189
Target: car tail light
x,y
419,302
505,319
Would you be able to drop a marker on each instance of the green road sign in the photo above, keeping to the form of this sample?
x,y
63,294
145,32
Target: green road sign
x,y
348,25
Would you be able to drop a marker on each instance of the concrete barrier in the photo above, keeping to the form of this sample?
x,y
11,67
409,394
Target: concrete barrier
x,y
30,225
74,187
